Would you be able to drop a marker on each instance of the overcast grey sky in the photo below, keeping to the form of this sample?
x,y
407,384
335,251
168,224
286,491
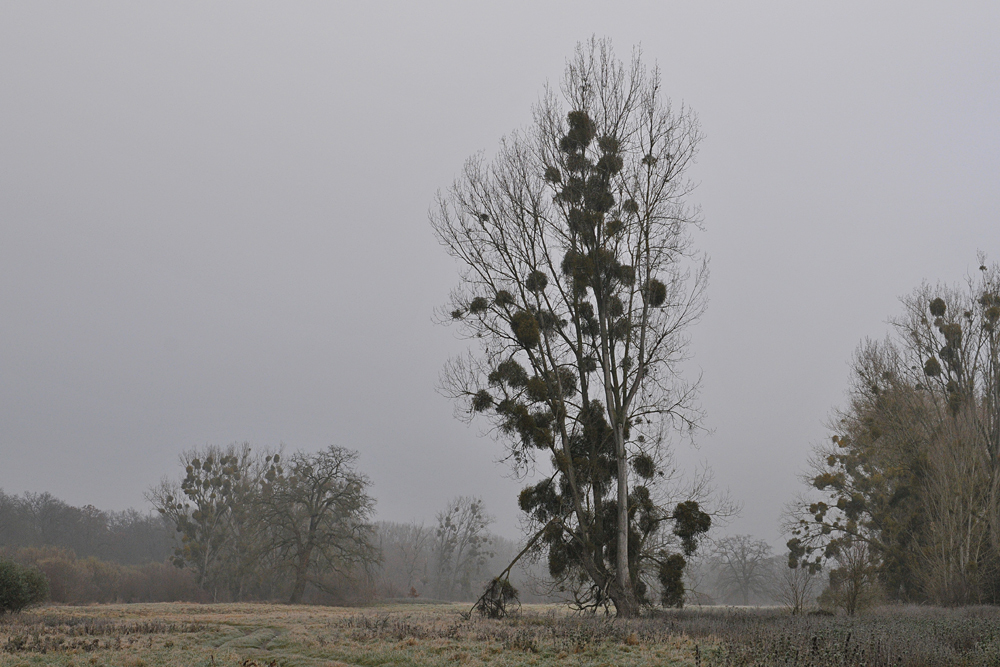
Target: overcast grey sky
x,y
213,221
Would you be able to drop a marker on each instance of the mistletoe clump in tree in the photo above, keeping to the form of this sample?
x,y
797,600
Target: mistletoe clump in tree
x,y
579,282
214,511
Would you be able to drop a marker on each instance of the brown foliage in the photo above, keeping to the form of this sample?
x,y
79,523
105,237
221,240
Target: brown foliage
x,y
88,580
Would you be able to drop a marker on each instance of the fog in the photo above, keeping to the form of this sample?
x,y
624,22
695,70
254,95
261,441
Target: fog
x,y
213,222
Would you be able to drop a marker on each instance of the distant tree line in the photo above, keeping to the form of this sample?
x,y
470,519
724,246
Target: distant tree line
x,y
74,580
91,555
88,555
39,519
245,525
906,499
743,570
238,525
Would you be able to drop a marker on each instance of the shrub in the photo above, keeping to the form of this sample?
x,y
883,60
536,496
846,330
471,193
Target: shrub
x,y
20,586
69,582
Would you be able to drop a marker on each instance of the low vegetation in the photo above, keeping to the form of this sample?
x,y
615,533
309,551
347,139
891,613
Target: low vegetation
x,y
251,635
259,634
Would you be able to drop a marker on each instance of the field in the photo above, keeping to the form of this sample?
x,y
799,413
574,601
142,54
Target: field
x,y
255,635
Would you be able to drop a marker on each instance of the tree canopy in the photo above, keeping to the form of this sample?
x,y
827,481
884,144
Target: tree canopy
x,y
912,470
259,524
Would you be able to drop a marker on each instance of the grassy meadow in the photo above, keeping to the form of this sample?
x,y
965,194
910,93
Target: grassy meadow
x,y
255,635
176,634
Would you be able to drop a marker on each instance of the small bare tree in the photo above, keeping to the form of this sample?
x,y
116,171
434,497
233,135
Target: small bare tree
x,y
794,584
853,583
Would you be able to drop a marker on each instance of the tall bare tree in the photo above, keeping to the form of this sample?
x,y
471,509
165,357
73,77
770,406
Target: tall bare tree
x,y
319,511
461,546
742,566
578,284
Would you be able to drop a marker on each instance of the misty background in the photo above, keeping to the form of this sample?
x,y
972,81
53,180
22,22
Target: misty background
x,y
213,223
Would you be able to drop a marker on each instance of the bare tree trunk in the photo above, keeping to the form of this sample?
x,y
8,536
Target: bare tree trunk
x,y
301,572
626,604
